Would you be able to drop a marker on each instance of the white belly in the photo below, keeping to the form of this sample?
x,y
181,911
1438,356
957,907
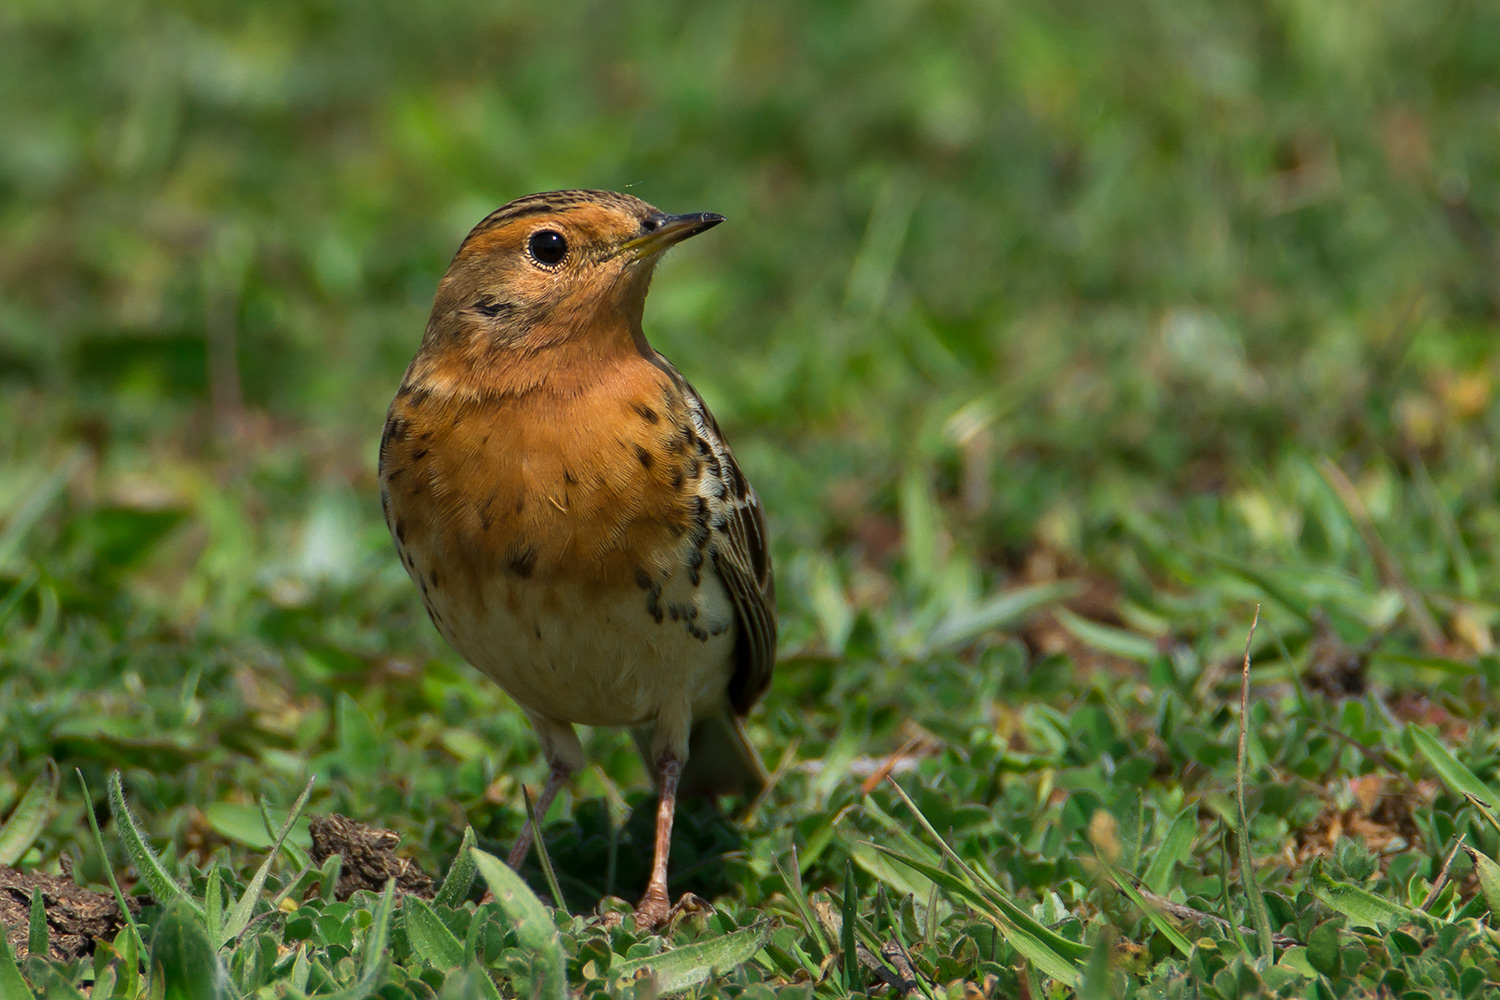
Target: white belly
x,y
579,655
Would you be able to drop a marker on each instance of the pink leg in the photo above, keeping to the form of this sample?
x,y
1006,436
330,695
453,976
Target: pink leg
x,y
556,778
655,907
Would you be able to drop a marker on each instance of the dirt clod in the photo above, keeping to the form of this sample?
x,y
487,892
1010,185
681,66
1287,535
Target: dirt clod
x,y
369,857
75,916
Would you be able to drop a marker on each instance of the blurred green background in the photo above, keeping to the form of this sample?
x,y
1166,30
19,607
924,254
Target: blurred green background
x,y
1078,270
1075,263
1009,291
1194,303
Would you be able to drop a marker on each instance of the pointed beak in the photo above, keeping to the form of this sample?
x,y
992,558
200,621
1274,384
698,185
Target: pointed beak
x,y
662,231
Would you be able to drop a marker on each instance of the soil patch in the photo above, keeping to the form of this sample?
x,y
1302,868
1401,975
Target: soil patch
x,y
75,916
369,855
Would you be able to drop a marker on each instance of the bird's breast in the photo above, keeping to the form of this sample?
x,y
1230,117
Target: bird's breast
x,y
562,548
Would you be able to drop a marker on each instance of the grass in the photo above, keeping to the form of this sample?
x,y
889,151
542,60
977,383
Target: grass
x,y
1057,338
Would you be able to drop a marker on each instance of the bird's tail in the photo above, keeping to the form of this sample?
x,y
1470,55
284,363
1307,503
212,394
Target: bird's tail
x,y
721,760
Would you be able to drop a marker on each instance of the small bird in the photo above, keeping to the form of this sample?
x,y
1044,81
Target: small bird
x,y
570,511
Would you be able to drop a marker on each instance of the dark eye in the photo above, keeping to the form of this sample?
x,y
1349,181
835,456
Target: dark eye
x,y
547,247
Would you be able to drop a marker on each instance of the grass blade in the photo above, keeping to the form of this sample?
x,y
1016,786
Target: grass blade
x,y
460,877
329,876
1027,936
162,885
535,931
36,933
1489,877
847,933
12,985
1175,848
114,883
893,926
541,852
430,936
188,960
1455,775
1364,907
23,517
693,964
1008,608
30,815
991,891
1114,641
1159,920
373,959
301,969
298,857
1260,916
793,880
239,917
213,907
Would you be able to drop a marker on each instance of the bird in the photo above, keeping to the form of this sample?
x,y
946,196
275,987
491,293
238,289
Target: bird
x,y
570,511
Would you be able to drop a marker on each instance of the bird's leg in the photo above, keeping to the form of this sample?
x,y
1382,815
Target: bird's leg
x,y
655,907
556,778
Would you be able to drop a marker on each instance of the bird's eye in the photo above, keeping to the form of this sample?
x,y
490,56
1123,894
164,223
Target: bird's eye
x,y
547,247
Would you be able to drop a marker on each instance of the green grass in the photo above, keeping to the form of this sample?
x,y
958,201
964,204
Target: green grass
x,y
1165,311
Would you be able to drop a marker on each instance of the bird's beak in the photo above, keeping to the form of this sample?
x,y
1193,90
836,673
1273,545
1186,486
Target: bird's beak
x,y
662,231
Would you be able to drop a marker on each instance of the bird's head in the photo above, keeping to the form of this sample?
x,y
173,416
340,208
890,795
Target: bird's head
x,y
555,267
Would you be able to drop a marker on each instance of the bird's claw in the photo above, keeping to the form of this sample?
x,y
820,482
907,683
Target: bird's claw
x,y
654,910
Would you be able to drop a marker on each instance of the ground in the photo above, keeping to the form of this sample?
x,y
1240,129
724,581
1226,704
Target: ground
x,y
1057,339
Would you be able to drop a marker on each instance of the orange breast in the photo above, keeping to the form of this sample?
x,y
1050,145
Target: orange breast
x,y
595,486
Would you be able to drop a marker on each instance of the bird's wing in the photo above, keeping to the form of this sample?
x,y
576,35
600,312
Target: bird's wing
x,y
740,555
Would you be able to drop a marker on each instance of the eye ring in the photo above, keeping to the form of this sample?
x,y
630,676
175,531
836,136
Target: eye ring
x,y
547,248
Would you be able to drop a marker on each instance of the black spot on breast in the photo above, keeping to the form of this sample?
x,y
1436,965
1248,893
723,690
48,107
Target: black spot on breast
x,y
395,430
538,630
520,503
643,456
702,522
653,593
419,454
433,577
568,478
484,512
400,531
523,561
677,477
647,414
393,474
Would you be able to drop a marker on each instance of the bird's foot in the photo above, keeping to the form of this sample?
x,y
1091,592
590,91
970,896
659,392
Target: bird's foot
x,y
654,913
654,910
